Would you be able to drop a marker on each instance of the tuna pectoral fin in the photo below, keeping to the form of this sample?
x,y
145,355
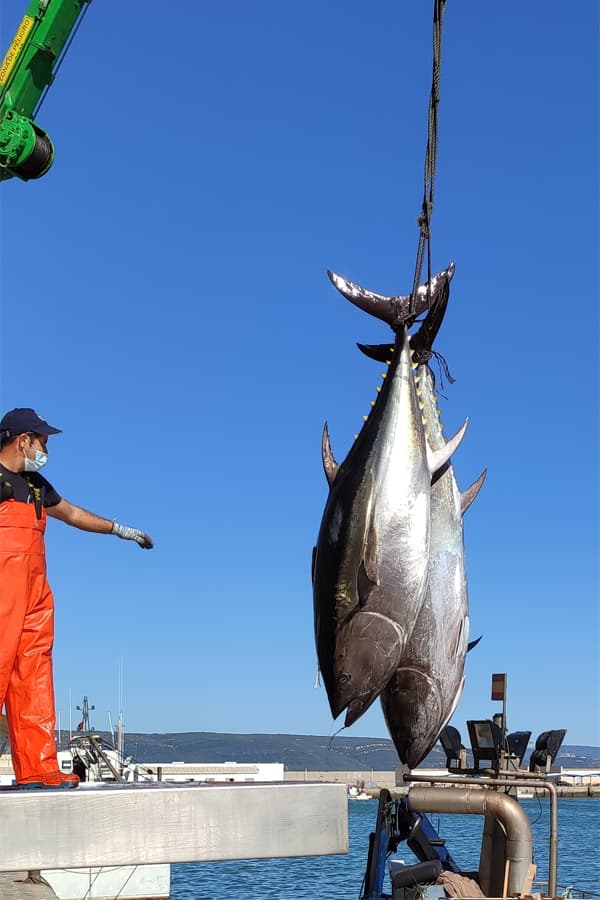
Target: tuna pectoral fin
x,y
364,584
467,497
329,464
474,643
438,458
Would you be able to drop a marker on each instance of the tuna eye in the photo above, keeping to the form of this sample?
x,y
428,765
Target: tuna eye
x,y
344,678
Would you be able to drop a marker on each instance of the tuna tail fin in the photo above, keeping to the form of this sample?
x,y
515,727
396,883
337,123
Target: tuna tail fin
x,y
467,497
438,458
329,464
422,341
396,311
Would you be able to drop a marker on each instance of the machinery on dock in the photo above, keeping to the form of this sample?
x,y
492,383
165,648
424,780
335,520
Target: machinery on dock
x,y
26,72
484,781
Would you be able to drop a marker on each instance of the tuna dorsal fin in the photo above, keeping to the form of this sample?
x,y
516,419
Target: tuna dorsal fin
x,y
474,643
329,464
467,497
438,458
380,352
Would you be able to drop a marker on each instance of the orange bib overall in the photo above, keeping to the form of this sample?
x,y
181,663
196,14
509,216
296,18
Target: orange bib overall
x,y
26,638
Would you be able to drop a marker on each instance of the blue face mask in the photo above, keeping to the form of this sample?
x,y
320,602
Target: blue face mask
x,y
38,462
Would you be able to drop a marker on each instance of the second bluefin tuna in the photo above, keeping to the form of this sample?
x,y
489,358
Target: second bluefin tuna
x,y
424,691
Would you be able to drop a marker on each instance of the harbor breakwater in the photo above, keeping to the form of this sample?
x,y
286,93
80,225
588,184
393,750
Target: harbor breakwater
x,y
372,782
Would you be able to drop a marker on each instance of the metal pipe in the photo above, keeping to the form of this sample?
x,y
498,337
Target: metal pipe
x,y
516,782
511,773
469,800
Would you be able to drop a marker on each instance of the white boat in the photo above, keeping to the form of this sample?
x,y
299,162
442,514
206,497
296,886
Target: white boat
x,y
357,792
524,793
126,882
98,763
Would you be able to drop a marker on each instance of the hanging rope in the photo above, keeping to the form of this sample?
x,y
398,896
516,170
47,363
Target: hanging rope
x,y
424,220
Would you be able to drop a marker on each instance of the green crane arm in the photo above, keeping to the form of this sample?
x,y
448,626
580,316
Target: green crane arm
x,y
25,73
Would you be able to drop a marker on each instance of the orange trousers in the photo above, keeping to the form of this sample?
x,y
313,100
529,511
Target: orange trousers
x,y
26,638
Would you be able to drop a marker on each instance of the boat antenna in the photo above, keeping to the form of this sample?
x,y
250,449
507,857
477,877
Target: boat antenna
x,y
424,220
85,708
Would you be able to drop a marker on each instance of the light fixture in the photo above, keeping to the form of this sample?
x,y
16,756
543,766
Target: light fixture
x,y
486,740
546,749
517,744
456,754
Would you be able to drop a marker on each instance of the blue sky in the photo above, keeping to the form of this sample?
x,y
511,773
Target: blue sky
x,y
164,301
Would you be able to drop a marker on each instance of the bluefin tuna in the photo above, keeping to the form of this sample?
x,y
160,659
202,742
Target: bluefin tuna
x,y
426,687
370,565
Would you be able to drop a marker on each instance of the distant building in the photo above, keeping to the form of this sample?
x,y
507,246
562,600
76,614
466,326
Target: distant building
x,y
173,771
217,772
578,776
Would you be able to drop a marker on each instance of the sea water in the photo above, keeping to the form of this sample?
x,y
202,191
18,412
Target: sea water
x,y
340,877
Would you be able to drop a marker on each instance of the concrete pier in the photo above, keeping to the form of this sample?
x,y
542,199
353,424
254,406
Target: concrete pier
x,y
136,824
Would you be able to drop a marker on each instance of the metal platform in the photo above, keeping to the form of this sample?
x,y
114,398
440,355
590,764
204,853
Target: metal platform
x,y
133,824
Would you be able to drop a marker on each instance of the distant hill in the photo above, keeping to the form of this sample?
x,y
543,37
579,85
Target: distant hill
x,y
300,751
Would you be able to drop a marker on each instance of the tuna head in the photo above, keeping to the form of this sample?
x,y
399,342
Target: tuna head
x,y
371,560
367,647
413,707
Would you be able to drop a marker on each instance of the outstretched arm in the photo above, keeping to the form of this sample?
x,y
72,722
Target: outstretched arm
x,y
88,521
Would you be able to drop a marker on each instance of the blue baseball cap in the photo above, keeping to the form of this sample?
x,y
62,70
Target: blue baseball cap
x,y
22,420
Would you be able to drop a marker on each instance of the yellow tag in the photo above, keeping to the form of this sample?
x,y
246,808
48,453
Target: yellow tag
x,y
13,51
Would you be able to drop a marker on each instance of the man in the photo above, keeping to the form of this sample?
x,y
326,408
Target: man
x,y
26,602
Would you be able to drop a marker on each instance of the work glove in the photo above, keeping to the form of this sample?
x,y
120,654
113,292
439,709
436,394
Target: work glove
x,y
127,533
